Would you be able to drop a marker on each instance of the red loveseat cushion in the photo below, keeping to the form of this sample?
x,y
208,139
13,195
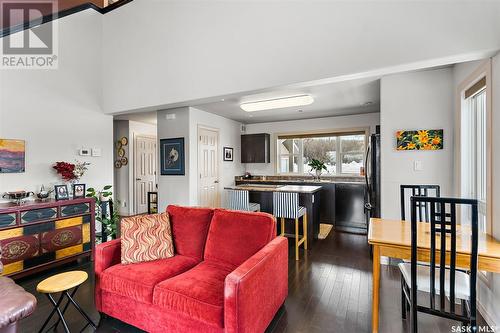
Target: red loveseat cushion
x,y
189,229
235,236
137,281
198,293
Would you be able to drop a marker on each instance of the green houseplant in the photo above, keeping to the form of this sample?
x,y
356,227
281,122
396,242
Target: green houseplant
x,y
317,166
109,220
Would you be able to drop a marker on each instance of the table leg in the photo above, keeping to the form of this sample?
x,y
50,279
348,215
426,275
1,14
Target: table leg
x,y
376,288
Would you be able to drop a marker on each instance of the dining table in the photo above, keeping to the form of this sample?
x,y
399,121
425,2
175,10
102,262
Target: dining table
x,y
392,238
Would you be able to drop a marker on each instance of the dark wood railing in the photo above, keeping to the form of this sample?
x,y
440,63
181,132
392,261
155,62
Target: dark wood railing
x,y
62,8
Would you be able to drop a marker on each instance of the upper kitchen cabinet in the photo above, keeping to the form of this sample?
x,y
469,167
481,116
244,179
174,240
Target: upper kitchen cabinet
x,y
255,148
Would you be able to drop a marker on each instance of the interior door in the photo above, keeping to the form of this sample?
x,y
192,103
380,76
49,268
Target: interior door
x,y
145,171
208,167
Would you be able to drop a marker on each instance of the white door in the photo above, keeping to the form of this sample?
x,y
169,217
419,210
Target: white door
x,y
208,167
145,171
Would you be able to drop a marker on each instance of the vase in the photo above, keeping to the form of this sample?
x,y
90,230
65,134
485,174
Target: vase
x,y
318,174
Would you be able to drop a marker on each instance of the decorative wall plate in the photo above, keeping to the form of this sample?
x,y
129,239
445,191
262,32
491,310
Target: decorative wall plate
x,y
124,161
121,152
118,164
124,141
118,144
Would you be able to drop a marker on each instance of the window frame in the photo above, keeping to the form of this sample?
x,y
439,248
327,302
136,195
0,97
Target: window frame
x,y
483,71
312,133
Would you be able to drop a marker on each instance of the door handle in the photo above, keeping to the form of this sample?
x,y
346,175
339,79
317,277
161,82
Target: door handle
x,y
216,182
138,179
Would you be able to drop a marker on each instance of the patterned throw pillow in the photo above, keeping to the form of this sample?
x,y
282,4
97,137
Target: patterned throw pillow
x,y
146,238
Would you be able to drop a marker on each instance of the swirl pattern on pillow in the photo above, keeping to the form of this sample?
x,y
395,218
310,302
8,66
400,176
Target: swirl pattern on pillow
x,y
146,238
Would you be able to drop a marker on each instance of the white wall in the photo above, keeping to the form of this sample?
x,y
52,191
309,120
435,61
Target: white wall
x,y
174,189
370,120
124,176
411,101
201,49
184,189
57,112
490,296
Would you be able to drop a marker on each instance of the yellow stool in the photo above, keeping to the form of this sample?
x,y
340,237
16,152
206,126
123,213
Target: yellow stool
x,y
62,283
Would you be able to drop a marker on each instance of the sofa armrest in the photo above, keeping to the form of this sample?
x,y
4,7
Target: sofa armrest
x,y
106,255
254,292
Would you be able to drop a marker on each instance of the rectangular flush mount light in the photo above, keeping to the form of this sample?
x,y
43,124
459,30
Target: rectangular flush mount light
x,y
278,103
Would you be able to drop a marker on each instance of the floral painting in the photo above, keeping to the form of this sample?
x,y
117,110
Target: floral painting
x,y
12,156
420,140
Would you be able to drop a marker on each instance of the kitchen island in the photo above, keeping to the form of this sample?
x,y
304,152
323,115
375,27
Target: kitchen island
x,y
309,197
342,198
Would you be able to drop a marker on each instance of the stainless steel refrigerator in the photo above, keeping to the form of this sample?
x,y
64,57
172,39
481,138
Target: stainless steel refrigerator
x,y
372,178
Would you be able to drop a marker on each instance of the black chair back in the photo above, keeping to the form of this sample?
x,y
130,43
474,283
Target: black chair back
x,y
444,209
408,191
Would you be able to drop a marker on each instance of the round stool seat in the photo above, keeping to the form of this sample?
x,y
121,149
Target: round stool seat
x,y
62,282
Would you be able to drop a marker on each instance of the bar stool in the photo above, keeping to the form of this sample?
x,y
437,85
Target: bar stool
x,y
286,206
240,200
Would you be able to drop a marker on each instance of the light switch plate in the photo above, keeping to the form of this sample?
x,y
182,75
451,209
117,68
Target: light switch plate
x,y
418,166
96,152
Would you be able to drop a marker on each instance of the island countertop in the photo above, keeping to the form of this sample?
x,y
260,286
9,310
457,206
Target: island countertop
x,y
275,188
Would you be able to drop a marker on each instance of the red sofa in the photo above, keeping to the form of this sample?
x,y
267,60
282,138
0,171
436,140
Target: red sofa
x,y
229,274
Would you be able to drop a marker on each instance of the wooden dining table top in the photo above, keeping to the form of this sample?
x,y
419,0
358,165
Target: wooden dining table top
x,y
398,233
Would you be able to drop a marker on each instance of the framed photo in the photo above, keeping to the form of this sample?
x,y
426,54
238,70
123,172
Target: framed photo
x,y
228,153
172,157
78,191
61,192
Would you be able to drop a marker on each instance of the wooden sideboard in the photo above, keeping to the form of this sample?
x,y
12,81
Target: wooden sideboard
x,y
38,235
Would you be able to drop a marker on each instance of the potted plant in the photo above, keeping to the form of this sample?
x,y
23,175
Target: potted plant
x,y
317,166
105,211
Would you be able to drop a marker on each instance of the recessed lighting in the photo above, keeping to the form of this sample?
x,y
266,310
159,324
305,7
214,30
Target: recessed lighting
x,y
367,103
222,99
278,103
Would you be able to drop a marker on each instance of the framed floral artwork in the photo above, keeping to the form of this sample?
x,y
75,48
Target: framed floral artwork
x,y
419,140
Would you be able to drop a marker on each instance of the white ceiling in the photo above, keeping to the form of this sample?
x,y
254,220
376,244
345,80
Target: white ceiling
x,y
333,99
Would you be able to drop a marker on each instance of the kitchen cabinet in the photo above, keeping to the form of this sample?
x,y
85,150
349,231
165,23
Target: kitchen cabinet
x,y
349,205
255,148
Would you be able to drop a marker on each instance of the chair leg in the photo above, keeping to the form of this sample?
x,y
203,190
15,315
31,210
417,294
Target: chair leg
x,y
304,226
403,298
296,239
282,226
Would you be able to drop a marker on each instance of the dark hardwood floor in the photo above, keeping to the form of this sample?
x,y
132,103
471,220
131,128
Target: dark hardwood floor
x,y
329,291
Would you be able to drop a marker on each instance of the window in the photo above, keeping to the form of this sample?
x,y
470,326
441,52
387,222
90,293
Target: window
x,y
343,154
474,150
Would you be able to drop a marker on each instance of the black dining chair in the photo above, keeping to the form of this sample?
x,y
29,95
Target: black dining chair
x,y
441,277
408,191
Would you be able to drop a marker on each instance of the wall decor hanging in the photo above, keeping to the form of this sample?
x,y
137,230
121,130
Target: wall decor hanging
x,y
419,140
121,159
228,154
12,156
172,157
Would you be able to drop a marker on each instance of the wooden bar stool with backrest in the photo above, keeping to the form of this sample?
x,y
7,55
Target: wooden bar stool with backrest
x,y
443,280
286,206
240,200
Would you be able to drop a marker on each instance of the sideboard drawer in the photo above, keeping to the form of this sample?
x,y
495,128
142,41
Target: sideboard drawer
x,y
36,215
7,220
76,209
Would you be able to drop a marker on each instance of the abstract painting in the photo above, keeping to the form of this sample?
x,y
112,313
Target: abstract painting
x,y
420,140
172,157
12,156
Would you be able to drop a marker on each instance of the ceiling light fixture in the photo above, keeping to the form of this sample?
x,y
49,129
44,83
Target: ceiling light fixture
x,y
278,103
